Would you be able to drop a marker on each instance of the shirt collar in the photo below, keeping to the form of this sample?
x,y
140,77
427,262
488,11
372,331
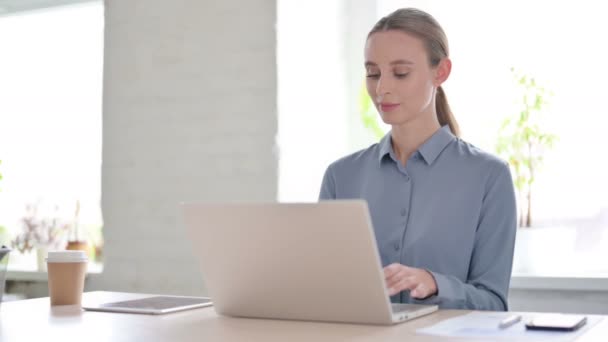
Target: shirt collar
x,y
429,150
385,146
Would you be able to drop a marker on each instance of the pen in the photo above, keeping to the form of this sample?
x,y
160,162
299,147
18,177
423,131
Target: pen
x,y
509,321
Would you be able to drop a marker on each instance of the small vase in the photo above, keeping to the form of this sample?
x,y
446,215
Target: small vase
x,y
41,253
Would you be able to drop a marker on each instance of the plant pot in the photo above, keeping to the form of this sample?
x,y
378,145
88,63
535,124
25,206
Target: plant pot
x,y
78,246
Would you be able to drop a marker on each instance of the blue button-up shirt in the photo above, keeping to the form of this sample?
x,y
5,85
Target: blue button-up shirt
x,y
450,210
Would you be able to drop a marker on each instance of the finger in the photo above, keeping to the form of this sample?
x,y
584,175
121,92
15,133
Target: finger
x,y
427,287
420,291
393,291
396,269
396,272
391,269
401,285
405,283
395,278
409,270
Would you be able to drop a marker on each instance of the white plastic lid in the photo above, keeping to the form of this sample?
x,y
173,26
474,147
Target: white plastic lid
x,y
67,256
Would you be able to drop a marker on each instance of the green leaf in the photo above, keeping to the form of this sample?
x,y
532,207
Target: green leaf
x,y
365,101
522,139
368,115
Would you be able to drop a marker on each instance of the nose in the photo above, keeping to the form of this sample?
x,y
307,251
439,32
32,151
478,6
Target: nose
x,y
383,87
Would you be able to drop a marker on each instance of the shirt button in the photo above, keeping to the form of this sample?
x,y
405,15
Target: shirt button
x,y
403,212
397,246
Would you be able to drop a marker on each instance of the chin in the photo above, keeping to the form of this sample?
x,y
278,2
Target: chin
x,y
393,119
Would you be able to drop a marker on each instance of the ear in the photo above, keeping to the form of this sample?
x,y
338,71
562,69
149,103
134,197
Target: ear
x,y
442,71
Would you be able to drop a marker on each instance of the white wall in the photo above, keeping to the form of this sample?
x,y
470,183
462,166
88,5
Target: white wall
x,y
189,113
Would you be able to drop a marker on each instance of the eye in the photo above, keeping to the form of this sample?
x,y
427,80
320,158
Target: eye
x,y
372,72
401,75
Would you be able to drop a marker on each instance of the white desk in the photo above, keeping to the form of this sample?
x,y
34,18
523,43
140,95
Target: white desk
x,y
35,320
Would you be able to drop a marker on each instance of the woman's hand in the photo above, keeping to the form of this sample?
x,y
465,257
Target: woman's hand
x,y
419,282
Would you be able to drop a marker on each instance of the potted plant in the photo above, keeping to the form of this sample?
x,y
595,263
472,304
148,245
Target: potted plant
x,y
76,241
523,142
40,234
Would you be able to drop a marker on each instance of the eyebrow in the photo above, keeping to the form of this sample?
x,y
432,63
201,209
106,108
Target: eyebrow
x,y
397,62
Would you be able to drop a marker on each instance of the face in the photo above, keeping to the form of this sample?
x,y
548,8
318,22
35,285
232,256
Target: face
x,y
400,79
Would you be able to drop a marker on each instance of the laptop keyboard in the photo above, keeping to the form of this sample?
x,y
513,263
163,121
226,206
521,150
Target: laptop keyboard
x,y
400,307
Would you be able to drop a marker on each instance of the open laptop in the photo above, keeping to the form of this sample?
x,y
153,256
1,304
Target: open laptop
x,y
305,261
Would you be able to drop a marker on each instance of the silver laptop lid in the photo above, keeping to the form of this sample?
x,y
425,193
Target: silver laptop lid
x,y
311,261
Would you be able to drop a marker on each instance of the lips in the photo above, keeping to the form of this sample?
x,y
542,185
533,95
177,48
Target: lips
x,y
387,107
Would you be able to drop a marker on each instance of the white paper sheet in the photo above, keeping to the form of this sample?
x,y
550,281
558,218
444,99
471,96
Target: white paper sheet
x,y
485,325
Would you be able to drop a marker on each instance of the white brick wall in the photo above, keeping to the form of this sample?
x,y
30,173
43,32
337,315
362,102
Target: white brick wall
x,y
189,114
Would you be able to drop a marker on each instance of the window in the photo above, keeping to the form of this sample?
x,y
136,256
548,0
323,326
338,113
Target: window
x,y
312,101
560,48
50,119
557,43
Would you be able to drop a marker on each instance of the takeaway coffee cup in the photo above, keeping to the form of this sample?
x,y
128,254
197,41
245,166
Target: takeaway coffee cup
x,y
66,270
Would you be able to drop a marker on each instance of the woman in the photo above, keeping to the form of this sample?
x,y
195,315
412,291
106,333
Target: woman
x,y
443,211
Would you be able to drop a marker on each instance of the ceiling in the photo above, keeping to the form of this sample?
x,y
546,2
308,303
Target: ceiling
x,y
8,7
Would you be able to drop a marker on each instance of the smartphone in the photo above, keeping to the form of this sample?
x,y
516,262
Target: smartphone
x,y
556,322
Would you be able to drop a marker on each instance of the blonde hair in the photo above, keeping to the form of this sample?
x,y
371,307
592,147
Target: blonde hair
x,y
423,26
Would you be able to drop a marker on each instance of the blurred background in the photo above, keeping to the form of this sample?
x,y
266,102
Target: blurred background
x,y
111,113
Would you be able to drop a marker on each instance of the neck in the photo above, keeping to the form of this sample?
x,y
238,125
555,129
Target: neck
x,y
407,137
